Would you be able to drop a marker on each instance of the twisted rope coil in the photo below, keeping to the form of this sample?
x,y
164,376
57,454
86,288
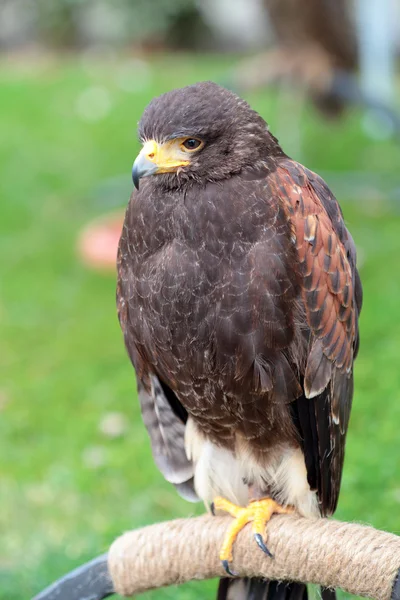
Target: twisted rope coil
x,y
356,558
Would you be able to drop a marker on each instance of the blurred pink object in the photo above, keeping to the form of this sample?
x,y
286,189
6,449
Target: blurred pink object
x,y
98,242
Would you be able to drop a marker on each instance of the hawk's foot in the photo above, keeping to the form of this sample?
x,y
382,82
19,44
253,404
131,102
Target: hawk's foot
x,y
258,512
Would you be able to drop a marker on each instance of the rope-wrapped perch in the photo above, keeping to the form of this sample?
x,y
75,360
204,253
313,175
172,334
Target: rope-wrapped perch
x,y
356,558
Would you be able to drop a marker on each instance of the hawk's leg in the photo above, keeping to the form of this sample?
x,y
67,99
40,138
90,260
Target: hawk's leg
x,y
258,512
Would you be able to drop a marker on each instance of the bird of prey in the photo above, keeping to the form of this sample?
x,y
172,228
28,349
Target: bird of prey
x,y
238,297
315,46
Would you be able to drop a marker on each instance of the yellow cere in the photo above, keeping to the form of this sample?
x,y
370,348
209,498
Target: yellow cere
x,y
167,156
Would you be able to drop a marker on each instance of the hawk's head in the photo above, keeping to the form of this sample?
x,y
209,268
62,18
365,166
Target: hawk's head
x,y
202,132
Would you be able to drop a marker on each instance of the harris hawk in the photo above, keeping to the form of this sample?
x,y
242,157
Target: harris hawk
x,y
238,297
315,46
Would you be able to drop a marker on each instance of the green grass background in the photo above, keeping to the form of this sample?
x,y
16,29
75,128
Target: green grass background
x,y
62,358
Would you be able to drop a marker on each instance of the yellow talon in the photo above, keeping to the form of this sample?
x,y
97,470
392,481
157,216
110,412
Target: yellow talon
x,y
259,512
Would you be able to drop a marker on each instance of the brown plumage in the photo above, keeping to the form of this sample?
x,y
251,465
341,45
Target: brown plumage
x,y
238,297
315,47
325,24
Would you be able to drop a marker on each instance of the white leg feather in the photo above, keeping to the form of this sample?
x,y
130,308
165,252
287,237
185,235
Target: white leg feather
x,y
217,472
220,472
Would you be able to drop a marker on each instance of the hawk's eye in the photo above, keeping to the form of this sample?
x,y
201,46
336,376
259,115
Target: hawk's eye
x,y
191,144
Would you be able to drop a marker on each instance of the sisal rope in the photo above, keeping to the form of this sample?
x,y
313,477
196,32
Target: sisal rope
x,y
356,558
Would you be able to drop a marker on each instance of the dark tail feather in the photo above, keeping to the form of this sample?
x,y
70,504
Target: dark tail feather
x,y
280,590
261,589
328,594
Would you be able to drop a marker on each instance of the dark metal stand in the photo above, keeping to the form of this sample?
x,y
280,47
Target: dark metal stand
x,y
91,581
396,587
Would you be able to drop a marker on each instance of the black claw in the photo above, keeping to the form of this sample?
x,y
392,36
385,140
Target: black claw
x,y
227,569
212,509
260,542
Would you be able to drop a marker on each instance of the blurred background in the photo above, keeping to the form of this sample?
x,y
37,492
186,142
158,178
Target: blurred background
x,y
75,462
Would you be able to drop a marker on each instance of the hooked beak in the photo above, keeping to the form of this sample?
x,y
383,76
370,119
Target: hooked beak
x,y
142,167
156,157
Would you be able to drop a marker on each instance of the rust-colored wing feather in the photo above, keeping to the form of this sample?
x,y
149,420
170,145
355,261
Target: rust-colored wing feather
x,y
332,297
327,278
